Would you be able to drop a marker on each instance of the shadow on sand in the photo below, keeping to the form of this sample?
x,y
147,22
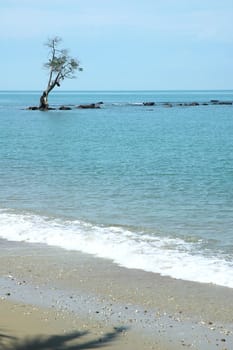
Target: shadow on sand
x,y
70,341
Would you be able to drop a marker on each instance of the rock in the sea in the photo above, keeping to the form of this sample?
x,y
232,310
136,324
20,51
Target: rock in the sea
x,y
225,103
166,104
218,102
65,108
90,105
33,108
191,104
148,103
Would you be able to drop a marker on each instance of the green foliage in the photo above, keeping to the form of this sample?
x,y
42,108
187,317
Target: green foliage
x,y
60,64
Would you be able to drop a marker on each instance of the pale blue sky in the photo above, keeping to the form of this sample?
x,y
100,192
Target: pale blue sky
x,y
122,44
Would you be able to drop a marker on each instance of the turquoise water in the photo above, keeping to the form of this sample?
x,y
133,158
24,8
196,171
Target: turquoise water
x,y
149,187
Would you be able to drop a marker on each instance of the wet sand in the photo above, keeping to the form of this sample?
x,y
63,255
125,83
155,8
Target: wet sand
x,y
52,295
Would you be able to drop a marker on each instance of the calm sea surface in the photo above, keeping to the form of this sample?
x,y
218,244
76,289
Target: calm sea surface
x,y
150,187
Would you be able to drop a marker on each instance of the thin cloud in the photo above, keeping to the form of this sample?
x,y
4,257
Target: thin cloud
x,y
23,22
29,20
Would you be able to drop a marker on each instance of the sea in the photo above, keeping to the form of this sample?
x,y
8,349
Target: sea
x,y
146,185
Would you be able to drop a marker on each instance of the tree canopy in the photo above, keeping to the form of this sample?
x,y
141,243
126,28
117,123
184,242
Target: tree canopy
x,y
60,66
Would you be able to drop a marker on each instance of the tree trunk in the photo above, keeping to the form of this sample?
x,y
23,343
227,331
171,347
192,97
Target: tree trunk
x,y
44,101
44,97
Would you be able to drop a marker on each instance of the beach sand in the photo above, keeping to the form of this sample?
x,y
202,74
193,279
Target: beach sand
x,y
50,297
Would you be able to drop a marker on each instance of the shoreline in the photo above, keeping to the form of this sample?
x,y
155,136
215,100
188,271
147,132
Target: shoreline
x,y
162,312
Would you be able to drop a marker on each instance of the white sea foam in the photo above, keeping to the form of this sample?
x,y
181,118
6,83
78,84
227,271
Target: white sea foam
x,y
164,255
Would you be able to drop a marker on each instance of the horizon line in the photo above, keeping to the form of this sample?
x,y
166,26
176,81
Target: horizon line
x,y
116,90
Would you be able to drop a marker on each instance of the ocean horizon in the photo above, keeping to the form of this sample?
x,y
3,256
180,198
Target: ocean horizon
x,y
147,186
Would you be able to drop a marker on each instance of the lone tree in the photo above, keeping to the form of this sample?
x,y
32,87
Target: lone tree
x,y
60,66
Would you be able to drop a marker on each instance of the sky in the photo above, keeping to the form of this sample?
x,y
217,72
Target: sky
x,y
121,44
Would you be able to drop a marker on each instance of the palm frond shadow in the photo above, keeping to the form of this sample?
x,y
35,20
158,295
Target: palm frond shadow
x,y
60,342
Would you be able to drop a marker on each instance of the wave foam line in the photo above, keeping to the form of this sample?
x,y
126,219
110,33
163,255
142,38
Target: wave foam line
x,y
164,255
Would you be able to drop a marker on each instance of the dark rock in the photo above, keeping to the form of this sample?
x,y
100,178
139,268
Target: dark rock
x,y
148,103
191,104
91,105
65,108
167,104
217,102
33,108
225,103
47,109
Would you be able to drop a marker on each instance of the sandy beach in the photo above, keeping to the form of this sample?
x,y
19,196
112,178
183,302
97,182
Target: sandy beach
x,y
52,298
